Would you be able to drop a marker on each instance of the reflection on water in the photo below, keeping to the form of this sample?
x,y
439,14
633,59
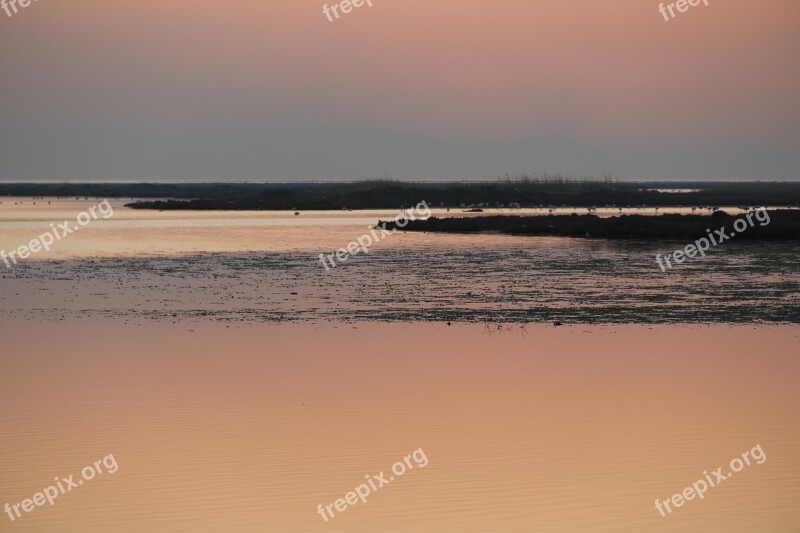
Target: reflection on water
x,y
249,428
239,385
141,233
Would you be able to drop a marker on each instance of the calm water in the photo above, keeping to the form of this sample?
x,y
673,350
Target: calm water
x,y
239,385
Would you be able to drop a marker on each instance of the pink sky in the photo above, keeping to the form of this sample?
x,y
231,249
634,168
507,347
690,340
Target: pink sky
x,y
417,89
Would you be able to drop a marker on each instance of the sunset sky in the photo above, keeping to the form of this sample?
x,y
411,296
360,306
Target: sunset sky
x,y
410,89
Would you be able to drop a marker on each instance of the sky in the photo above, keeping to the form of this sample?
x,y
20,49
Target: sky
x,y
410,89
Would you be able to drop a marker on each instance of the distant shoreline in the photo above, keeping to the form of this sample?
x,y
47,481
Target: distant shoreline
x,y
386,194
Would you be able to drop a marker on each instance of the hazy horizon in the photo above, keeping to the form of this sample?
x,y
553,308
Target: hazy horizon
x,y
272,91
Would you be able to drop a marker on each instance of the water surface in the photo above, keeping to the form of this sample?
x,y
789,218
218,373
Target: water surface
x,y
239,385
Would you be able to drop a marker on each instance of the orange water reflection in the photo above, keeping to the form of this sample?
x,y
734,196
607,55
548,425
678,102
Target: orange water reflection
x,y
219,428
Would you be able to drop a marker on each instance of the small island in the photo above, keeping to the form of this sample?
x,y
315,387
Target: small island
x,y
766,226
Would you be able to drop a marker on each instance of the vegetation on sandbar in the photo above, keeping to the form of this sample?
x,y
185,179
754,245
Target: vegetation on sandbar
x,y
782,225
